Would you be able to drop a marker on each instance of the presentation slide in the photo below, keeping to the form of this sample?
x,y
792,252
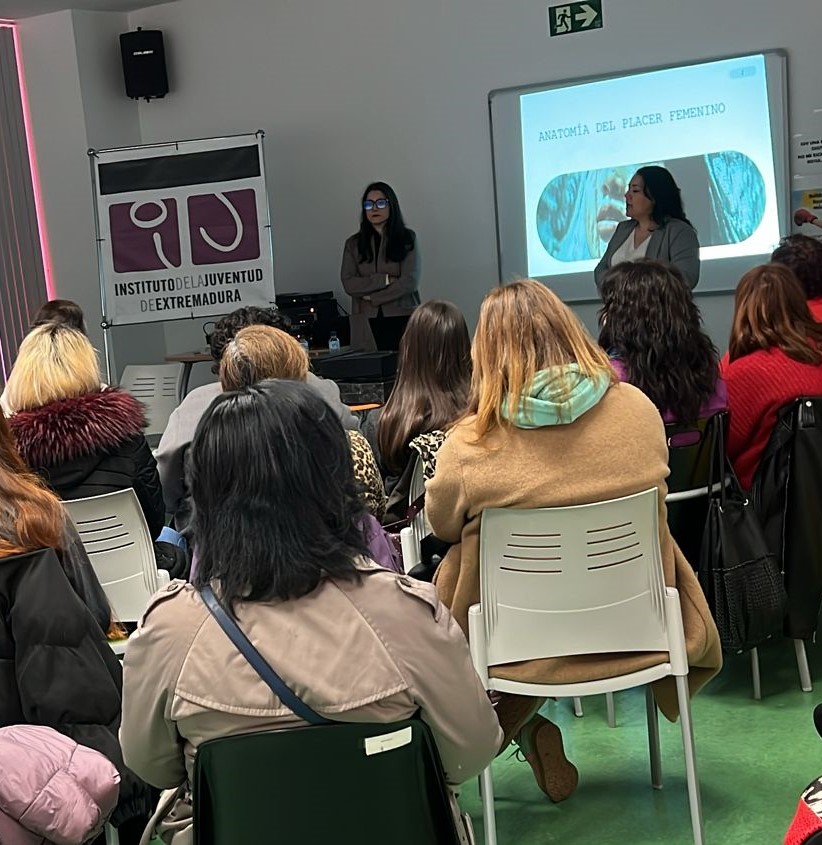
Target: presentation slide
x,y
565,151
709,124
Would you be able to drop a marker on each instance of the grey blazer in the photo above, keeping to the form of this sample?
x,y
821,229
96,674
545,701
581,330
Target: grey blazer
x,y
675,242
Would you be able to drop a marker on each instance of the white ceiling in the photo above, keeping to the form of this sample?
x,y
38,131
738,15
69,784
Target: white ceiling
x,y
16,9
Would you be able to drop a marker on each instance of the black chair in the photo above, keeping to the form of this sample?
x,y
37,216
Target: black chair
x,y
691,449
340,783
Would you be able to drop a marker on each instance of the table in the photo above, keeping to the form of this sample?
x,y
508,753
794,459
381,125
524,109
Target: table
x,y
189,359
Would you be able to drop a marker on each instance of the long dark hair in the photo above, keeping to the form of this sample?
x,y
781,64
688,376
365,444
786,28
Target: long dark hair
x,y
663,190
399,238
770,312
275,503
433,380
651,323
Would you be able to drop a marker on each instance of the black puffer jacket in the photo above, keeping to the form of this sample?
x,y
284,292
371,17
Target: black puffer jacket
x,y
56,668
90,445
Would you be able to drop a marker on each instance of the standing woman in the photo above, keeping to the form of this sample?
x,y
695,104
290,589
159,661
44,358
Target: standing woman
x,y
656,227
380,265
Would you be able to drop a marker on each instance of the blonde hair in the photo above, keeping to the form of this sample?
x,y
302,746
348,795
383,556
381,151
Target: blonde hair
x,y
261,352
523,328
55,362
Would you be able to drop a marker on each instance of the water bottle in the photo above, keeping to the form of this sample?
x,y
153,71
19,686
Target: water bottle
x,y
333,343
304,343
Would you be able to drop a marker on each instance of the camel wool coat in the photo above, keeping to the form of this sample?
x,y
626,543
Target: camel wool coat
x,y
615,449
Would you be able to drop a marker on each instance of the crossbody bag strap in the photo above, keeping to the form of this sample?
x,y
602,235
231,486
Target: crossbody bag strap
x,y
257,661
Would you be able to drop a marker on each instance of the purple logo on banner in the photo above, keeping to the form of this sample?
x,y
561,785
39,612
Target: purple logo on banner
x,y
223,227
145,235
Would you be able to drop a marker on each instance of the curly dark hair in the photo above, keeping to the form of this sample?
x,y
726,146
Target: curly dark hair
x,y
804,256
227,327
651,323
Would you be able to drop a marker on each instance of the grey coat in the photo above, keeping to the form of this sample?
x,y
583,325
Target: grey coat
x,y
180,431
675,242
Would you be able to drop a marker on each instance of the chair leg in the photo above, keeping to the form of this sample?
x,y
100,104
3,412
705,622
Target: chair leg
x,y
653,739
802,664
690,759
611,709
488,816
578,707
757,684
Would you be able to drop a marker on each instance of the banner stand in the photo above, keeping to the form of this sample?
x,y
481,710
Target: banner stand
x,y
183,190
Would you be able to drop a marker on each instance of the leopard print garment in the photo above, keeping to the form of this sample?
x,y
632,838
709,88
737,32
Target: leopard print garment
x,y
367,474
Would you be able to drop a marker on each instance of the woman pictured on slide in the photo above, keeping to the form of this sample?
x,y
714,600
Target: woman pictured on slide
x,y
380,265
656,227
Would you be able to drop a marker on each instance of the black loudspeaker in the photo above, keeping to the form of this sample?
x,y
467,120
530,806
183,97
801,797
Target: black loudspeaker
x,y
144,64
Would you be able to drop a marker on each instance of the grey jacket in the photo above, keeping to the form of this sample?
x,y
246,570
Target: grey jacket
x,y
183,422
675,242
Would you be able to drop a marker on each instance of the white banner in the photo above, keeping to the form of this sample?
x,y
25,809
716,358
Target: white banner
x,y
184,229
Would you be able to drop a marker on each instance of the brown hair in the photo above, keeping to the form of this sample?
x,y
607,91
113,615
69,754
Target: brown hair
x,y
433,376
60,311
804,256
261,352
770,312
31,517
523,328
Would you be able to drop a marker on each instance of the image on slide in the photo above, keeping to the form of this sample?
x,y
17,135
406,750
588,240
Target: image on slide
x,y
709,124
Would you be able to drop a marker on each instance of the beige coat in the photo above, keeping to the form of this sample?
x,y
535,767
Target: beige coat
x,y
397,298
376,651
615,449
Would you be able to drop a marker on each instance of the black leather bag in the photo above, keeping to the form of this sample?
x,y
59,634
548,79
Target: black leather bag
x,y
786,493
740,576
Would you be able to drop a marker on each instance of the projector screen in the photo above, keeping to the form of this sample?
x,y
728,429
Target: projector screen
x,y
564,154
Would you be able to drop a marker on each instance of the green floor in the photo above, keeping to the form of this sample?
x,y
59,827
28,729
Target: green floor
x,y
753,757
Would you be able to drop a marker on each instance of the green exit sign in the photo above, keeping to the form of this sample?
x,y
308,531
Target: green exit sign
x,y
575,17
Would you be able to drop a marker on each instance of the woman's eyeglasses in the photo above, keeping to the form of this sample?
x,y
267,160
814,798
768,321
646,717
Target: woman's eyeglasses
x,y
370,205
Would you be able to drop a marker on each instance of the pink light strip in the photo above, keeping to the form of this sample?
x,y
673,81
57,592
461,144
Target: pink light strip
x,y
35,175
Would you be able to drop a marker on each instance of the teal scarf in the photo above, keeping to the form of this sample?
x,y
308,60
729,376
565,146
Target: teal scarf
x,y
556,396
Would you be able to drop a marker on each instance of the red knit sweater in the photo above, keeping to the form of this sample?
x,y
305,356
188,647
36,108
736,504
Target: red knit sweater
x,y
758,385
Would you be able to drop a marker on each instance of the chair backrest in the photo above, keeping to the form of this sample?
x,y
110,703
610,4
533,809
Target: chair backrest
x,y
116,538
574,580
690,450
419,524
157,387
342,783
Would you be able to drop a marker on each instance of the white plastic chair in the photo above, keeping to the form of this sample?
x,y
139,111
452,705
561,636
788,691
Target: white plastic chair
x,y
117,540
411,537
580,580
157,387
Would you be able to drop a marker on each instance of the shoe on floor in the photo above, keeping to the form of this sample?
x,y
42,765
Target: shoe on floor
x,y
555,775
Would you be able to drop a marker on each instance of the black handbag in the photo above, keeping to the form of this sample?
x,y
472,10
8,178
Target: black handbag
x,y
740,576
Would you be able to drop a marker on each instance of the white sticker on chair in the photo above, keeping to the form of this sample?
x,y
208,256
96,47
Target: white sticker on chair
x,y
387,742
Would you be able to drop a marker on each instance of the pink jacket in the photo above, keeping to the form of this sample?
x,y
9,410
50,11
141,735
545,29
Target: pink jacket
x,y
52,789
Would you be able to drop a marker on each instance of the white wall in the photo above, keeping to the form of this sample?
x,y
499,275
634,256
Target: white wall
x,y
383,89
74,78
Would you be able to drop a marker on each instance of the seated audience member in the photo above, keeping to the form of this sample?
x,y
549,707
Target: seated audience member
x,y
773,357
431,391
548,426
54,311
275,510
81,439
183,420
56,668
804,256
651,328
258,353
